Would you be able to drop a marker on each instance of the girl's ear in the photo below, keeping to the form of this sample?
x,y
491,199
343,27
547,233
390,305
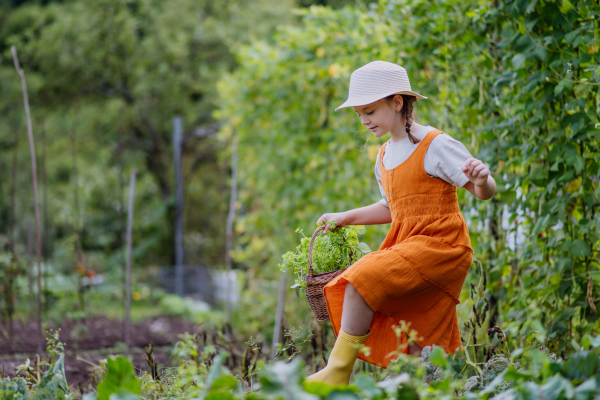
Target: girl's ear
x,y
398,102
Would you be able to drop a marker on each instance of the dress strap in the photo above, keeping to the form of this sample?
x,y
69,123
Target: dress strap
x,y
381,167
421,147
429,137
424,145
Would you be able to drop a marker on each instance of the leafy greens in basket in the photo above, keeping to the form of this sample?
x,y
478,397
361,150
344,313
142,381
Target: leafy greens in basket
x,y
337,249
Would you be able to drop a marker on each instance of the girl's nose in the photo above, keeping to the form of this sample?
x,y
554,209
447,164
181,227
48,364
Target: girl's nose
x,y
364,120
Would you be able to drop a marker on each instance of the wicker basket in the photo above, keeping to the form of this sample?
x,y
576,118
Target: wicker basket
x,y
316,283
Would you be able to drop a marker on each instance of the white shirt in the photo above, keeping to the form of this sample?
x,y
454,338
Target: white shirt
x,y
444,158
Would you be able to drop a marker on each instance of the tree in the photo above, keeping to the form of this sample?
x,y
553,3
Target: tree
x,y
135,65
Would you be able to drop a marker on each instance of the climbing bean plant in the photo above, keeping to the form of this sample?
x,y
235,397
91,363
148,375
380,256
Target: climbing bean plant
x,y
516,81
542,101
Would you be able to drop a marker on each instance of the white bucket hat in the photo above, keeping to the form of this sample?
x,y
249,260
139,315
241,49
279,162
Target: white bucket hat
x,y
376,80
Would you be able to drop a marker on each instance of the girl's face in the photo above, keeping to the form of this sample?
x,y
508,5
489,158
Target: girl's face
x,y
381,116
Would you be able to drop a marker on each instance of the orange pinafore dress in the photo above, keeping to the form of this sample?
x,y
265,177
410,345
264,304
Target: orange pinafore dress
x,y
418,272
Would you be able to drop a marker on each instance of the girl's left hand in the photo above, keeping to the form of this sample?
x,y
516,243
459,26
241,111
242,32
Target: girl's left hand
x,y
476,171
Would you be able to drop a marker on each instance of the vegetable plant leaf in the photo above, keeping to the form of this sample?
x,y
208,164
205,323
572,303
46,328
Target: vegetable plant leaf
x,y
119,378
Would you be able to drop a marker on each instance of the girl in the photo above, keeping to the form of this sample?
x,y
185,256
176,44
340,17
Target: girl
x,y
418,272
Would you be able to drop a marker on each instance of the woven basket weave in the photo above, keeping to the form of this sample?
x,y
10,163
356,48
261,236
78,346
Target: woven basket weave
x,y
316,283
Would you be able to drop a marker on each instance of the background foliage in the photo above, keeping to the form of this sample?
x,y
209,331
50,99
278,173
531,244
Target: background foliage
x,y
517,82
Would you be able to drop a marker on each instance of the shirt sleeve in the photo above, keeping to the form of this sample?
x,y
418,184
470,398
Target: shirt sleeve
x,y
451,155
383,201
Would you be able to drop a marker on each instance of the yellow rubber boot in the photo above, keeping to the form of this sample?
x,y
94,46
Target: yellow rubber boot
x,y
341,360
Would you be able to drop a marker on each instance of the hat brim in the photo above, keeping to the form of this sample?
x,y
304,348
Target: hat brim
x,y
364,100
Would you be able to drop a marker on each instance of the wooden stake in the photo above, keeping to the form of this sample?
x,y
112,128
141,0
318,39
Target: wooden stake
x,y
230,218
13,191
177,137
35,197
45,230
30,273
123,226
77,225
128,262
278,316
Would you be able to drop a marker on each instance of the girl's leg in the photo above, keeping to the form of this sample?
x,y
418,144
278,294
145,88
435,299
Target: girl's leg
x,y
414,350
356,318
356,314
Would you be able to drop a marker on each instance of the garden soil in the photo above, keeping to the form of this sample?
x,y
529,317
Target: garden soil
x,y
103,337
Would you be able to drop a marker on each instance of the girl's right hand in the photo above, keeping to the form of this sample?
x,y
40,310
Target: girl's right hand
x,y
339,218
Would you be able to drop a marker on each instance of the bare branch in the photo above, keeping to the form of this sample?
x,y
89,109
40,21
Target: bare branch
x,y
35,197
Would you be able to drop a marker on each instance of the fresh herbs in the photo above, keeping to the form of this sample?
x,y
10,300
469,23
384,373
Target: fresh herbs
x,y
338,249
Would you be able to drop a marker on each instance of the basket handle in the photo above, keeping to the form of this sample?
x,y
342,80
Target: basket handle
x,y
310,249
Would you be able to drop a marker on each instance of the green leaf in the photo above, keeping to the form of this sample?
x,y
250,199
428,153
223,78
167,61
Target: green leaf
x,y
282,380
438,357
319,388
595,342
530,8
342,394
443,385
586,390
536,173
364,248
571,36
226,381
497,381
55,380
519,60
217,370
580,248
515,353
220,395
124,395
579,164
566,314
586,342
567,176
120,378
367,386
540,225
556,387
512,374
399,387
531,23
558,89
582,365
